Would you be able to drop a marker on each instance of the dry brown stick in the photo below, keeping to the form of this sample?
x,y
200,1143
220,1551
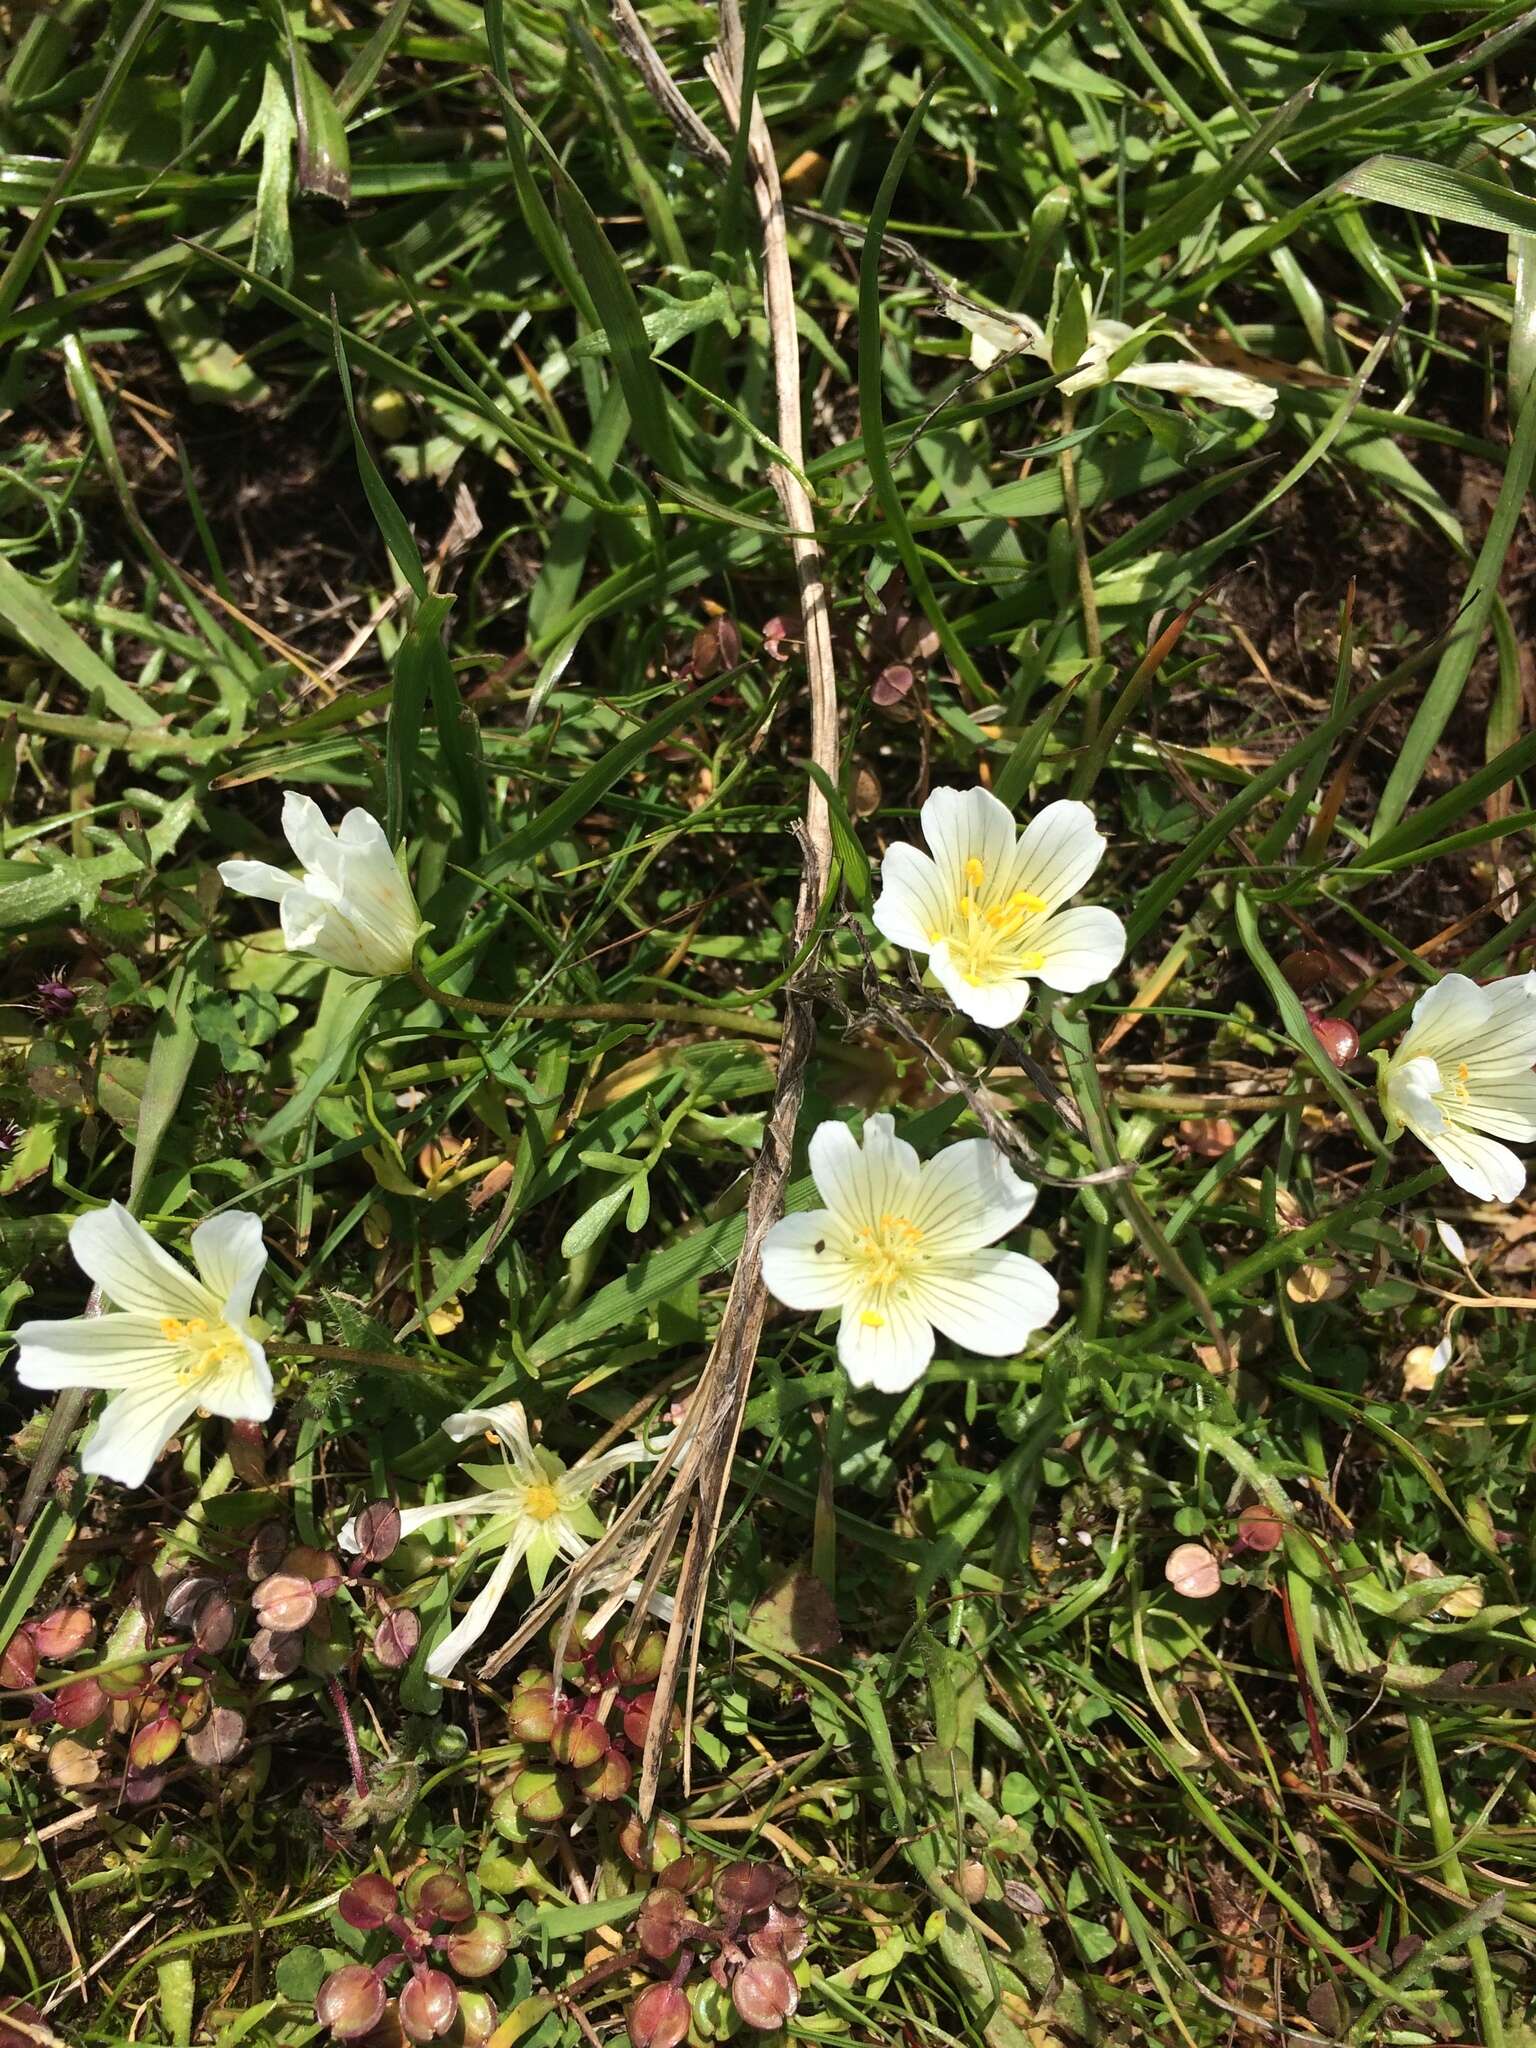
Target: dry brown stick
x,y
642,1538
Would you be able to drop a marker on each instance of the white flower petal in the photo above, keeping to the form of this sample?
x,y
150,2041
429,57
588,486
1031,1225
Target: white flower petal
x,y
230,1256
482,1609
997,1003
313,841
1446,1018
581,1480
258,878
994,334
1503,1106
132,1271
242,1390
134,1428
1202,380
910,909
1488,1171
1058,853
970,1196
507,1420
110,1351
1452,1239
989,1301
1079,947
312,926
802,1264
883,1343
1410,1089
962,825
860,1184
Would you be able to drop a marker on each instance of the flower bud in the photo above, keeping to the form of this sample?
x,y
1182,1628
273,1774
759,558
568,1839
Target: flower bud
x,y
531,1716
284,1602
18,1662
79,1703
396,1637
433,1894
714,2016
765,1994
650,1848
658,1924
479,1948
659,2017
970,1883
783,1937
1337,1036
23,2026
275,1656
123,1681
1260,1528
639,1663
1306,969
60,1634
477,2021
578,1740
637,1721
368,1901
219,1739
536,1796
155,1743
429,2005
350,2002
743,1888
376,1531
609,1778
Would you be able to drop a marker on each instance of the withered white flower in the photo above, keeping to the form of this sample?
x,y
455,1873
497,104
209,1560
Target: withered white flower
x,y
994,335
351,907
171,1344
905,1246
985,903
535,1510
1461,1080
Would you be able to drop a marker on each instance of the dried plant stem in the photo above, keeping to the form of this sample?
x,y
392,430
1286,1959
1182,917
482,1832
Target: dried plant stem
x,y
643,1537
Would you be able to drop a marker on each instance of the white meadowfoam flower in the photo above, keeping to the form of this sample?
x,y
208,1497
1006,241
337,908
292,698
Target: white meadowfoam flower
x,y
351,907
985,902
171,1344
995,335
1461,1081
535,1510
904,1247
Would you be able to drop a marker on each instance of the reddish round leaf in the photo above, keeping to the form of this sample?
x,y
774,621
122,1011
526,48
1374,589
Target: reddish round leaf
x,y
1193,1572
765,1994
350,2002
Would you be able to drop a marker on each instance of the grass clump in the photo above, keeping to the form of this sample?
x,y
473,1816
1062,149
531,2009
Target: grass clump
x,y
462,416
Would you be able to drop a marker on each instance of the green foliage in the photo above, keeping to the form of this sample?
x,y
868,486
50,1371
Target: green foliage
x,y
390,414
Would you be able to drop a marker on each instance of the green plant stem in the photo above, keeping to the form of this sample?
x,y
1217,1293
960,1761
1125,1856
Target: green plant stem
x,y
348,1354
1421,1735
769,1030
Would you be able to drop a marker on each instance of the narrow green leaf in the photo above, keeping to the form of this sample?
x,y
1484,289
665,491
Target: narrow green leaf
x,y
30,616
1442,192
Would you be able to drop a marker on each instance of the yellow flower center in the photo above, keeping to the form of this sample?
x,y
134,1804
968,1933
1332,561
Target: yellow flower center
x,y
886,1254
540,1502
986,939
205,1347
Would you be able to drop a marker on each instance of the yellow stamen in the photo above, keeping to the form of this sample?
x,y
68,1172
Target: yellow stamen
x,y
1031,963
967,906
541,1502
975,873
1026,899
1463,1075
872,1319
204,1346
